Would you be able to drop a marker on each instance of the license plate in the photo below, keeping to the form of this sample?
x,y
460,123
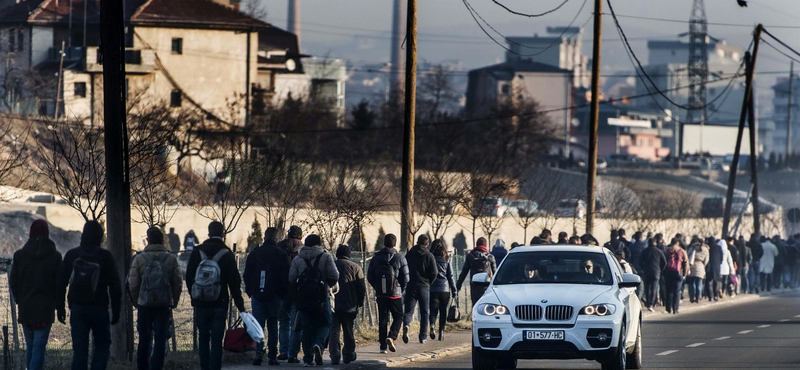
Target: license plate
x,y
543,334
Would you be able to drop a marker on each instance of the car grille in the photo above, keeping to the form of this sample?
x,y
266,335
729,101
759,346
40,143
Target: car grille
x,y
529,312
558,313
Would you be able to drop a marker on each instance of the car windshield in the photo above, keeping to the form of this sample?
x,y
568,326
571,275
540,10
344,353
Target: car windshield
x,y
554,268
568,204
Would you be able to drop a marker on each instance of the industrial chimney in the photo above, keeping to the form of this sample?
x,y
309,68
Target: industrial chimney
x,y
398,20
293,22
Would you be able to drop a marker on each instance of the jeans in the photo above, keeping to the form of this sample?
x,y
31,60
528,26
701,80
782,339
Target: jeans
x,y
766,281
210,323
83,319
440,302
753,279
673,285
650,290
695,288
423,296
743,283
316,328
342,324
153,326
389,307
36,341
267,311
286,317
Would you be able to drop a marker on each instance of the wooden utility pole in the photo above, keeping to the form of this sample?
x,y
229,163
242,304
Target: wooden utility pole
x,y
407,191
118,223
751,118
247,82
60,78
789,108
591,175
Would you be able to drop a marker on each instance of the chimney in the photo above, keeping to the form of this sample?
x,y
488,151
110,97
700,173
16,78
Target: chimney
x,y
293,20
397,70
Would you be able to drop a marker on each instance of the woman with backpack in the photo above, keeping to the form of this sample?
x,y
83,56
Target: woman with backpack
x,y
698,259
442,288
677,267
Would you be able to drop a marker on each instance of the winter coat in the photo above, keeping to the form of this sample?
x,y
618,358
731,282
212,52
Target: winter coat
x,y
745,256
421,267
444,279
272,259
715,261
698,260
636,247
291,246
400,270
467,268
499,251
229,274
352,286
173,271
34,273
325,265
684,264
768,259
726,266
756,248
109,286
653,262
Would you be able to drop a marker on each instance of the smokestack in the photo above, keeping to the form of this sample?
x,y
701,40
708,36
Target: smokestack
x,y
398,20
293,22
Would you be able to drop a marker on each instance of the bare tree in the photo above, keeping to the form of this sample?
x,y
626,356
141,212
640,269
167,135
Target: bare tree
x,y
15,152
437,196
436,92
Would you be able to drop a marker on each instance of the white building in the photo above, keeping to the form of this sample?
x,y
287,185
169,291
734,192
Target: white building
x,y
560,48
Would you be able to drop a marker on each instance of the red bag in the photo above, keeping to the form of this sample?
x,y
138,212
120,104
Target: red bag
x,y
237,339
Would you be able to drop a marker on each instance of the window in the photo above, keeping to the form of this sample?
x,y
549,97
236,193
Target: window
x,y
505,89
177,46
12,45
175,98
20,40
80,89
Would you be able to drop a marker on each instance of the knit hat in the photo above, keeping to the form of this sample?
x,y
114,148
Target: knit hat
x,y
39,228
313,240
155,236
343,251
92,234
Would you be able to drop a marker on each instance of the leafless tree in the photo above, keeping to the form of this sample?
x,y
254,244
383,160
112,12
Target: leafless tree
x,y
16,143
437,196
621,203
288,192
436,92
254,9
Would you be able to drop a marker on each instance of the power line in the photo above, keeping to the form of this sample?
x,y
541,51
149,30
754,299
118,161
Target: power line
x,y
527,14
781,42
686,22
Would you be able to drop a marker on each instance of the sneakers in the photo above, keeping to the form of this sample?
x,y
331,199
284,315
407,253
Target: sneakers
x,y
283,357
383,352
318,355
422,340
390,344
293,360
273,362
441,335
405,335
650,309
334,361
257,362
349,359
308,364
433,333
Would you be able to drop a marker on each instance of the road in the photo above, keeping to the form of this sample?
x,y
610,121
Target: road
x,y
757,334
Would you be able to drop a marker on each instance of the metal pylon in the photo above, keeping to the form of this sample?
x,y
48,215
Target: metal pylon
x,y
698,64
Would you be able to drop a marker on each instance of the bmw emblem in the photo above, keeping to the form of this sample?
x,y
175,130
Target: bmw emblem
x,y
544,301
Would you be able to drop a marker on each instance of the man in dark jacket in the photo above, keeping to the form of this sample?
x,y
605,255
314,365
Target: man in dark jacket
x,y
743,264
33,282
349,299
174,240
389,299
477,261
290,339
210,314
753,276
562,238
653,263
88,309
265,274
422,271
638,244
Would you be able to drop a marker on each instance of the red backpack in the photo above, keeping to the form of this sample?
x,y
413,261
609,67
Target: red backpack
x,y
674,261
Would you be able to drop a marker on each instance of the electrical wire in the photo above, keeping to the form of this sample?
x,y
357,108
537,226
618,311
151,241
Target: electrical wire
x,y
527,14
687,22
780,41
780,51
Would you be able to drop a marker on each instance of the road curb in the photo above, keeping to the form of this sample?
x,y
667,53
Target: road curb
x,y
406,359
739,298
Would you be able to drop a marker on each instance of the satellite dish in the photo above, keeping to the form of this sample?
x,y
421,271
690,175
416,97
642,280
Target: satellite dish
x,y
291,65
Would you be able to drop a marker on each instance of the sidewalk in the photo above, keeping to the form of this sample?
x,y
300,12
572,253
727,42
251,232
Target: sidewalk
x,y
687,307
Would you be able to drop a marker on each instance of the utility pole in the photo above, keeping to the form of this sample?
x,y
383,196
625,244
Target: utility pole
x,y
407,192
60,78
751,118
118,223
247,82
789,108
591,175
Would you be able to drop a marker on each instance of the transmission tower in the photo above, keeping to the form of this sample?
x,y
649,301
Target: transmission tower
x,y
698,64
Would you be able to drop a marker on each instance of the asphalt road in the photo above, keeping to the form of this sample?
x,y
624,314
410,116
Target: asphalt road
x,y
757,334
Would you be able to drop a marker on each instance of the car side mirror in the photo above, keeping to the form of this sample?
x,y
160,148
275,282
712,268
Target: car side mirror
x,y
630,281
481,279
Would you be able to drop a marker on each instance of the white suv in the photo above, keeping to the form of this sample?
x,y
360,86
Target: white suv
x,y
559,302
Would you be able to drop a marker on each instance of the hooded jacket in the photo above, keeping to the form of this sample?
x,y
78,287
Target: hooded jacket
x,y
422,269
698,259
499,250
325,265
173,271
34,274
228,268
352,286
400,269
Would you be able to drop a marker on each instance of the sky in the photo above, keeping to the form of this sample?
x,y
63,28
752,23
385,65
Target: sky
x,y
358,30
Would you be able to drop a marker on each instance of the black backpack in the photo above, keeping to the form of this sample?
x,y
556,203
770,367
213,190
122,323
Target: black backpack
x,y
480,263
84,279
387,277
311,290
264,280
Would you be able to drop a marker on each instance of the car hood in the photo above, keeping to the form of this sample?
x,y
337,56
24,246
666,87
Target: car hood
x,y
576,295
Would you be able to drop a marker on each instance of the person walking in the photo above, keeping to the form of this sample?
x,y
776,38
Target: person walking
x,y
653,263
767,263
713,271
312,274
442,288
743,264
499,250
388,275
266,272
190,241
34,273
290,332
726,268
562,239
637,245
674,273
174,240
349,299
422,271
212,278
477,261
154,282
754,274
698,259
94,284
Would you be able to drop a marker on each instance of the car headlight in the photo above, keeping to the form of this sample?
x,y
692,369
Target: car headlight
x,y
491,309
602,309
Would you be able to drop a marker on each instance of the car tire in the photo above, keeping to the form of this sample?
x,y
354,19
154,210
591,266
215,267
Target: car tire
x,y
618,360
482,362
634,360
506,363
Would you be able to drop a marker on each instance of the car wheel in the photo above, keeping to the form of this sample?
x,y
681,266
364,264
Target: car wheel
x,y
507,363
482,362
617,361
634,360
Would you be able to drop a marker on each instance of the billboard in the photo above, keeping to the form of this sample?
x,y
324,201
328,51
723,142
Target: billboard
x,y
716,140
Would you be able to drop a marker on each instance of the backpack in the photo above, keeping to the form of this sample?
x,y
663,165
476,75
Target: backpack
x,y
84,279
264,280
155,289
387,277
207,279
480,263
311,288
674,262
